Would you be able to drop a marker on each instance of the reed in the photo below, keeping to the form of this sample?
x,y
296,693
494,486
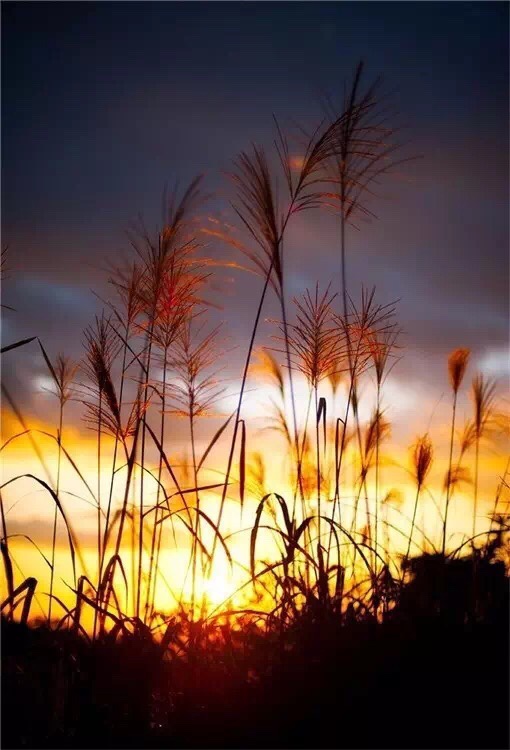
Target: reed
x,y
63,372
194,392
483,392
152,357
457,364
422,457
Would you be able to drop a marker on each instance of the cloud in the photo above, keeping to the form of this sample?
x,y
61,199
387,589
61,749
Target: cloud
x,y
39,292
495,362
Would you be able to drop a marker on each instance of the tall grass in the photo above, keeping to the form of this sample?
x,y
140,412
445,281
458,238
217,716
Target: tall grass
x,y
63,371
151,359
457,363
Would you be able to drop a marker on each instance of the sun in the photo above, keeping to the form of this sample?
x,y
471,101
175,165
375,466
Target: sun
x,y
217,589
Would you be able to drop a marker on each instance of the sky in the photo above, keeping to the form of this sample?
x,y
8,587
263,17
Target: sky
x,y
105,103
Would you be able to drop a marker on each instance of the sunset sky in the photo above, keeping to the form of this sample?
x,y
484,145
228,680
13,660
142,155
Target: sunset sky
x,y
103,104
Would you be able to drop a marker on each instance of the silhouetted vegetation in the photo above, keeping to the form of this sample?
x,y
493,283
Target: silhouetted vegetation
x,y
431,674
358,627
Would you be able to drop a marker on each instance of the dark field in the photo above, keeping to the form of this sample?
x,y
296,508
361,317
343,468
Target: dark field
x,y
425,677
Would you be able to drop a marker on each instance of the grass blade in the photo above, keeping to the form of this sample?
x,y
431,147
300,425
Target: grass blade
x,y
216,437
242,464
59,506
16,344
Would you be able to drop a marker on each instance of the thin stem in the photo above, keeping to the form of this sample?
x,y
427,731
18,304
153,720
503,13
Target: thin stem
x,y
291,384
377,452
131,464
133,540
156,530
142,462
99,424
99,558
475,497
239,404
55,517
5,541
299,487
197,522
497,498
406,558
114,460
338,468
449,483
317,446
343,254
275,254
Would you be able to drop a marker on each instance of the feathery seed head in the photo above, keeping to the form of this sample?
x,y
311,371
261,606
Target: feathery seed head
x,y
64,372
483,393
196,388
315,347
457,364
423,454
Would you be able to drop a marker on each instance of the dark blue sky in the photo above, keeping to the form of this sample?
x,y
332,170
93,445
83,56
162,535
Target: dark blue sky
x,y
104,103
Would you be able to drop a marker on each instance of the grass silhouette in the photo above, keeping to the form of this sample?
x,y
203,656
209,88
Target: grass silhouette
x,y
345,638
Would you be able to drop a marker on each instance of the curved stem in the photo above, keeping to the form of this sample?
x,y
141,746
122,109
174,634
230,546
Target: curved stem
x,y
239,404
